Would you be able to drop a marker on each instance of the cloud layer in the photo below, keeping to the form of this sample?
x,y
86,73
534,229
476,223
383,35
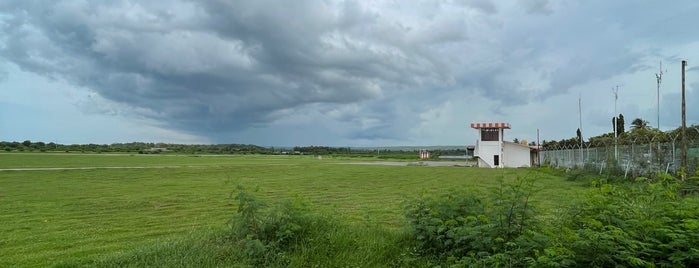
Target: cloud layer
x,y
345,71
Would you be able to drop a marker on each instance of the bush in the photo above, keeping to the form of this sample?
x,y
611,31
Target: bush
x,y
265,233
290,234
474,228
641,225
586,173
646,224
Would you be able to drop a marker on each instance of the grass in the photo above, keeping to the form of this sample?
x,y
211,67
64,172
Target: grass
x,y
113,216
70,160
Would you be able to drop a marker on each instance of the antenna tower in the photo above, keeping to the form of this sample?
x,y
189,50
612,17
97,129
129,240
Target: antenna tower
x,y
659,79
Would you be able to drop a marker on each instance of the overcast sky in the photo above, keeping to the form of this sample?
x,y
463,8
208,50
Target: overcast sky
x,y
338,73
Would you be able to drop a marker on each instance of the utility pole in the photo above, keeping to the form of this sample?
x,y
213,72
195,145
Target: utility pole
x,y
616,118
580,127
659,79
684,124
538,148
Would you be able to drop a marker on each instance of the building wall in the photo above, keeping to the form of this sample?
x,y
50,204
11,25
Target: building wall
x,y
516,155
485,151
482,163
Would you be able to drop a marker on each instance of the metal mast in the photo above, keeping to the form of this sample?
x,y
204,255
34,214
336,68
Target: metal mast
x,y
684,124
659,79
580,127
616,118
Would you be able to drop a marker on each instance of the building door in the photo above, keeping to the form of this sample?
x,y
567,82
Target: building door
x,y
496,160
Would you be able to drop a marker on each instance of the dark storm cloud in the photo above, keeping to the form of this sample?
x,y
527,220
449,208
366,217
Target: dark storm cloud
x,y
212,67
217,65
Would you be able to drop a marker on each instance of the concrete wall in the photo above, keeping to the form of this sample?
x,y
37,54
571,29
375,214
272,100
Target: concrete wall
x,y
485,152
482,163
516,155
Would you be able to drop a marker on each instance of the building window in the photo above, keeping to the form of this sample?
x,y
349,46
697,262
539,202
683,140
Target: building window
x,y
489,134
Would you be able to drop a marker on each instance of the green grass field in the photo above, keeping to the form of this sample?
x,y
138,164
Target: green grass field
x,y
134,203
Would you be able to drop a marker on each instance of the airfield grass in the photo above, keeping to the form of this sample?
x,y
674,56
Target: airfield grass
x,y
172,211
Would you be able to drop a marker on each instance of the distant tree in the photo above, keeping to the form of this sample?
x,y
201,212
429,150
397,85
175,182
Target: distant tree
x,y
516,140
639,123
644,135
614,124
27,143
579,134
620,125
619,121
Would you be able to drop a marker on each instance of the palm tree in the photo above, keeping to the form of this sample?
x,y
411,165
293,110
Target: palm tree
x,y
639,123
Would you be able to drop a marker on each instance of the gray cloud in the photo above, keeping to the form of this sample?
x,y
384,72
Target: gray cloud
x,y
213,68
670,112
485,6
216,65
537,6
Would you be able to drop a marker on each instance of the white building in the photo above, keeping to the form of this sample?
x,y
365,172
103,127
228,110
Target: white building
x,y
492,151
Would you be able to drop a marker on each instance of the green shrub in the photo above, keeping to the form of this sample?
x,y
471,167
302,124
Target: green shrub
x,y
469,227
691,185
643,225
291,234
646,224
265,233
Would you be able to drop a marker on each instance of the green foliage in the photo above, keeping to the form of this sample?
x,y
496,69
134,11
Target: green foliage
x,y
139,147
690,185
402,156
639,123
587,173
474,228
321,150
645,224
290,234
265,232
642,225
620,125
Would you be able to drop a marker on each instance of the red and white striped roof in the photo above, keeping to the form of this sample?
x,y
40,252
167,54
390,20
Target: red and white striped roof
x,y
490,125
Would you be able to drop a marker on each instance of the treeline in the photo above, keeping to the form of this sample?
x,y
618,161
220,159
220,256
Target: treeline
x,y
163,148
380,153
136,147
640,133
325,150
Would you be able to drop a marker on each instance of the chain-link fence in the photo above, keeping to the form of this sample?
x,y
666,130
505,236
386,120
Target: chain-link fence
x,y
629,159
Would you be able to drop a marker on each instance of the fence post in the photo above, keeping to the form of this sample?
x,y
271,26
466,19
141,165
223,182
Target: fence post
x,y
650,157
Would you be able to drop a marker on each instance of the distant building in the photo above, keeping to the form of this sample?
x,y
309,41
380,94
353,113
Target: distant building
x,y
492,151
424,154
